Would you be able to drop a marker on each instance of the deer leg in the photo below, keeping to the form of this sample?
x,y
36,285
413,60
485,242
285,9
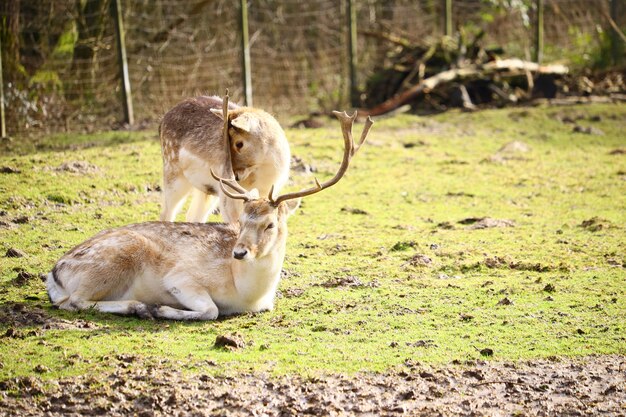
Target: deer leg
x,y
198,303
123,307
202,205
174,193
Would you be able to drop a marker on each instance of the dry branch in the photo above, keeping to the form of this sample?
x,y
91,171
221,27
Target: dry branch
x,y
386,36
506,67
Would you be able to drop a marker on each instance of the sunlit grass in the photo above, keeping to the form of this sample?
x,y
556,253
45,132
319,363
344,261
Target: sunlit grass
x,y
423,287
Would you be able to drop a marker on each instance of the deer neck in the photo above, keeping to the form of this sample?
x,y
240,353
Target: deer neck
x,y
258,279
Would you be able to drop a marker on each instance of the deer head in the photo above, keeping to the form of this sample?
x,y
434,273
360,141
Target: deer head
x,y
263,221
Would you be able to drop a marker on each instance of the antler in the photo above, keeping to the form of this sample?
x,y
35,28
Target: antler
x,y
349,150
242,193
227,170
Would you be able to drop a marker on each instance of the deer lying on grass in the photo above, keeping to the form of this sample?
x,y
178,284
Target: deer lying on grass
x,y
192,145
189,271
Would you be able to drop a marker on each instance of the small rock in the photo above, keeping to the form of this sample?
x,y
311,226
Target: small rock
x,y
422,343
466,317
471,220
9,170
549,288
505,302
22,278
409,145
40,369
230,342
488,222
14,253
595,224
293,292
352,210
21,220
486,352
589,130
419,260
474,374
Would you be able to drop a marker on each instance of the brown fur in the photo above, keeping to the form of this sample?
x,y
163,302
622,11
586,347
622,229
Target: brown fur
x,y
259,154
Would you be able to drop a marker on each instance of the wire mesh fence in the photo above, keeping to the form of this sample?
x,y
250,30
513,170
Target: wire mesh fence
x,y
61,69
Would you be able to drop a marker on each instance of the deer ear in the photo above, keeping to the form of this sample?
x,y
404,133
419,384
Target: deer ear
x,y
290,206
218,113
246,122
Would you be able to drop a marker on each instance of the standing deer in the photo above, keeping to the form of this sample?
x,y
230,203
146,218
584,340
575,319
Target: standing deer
x,y
189,271
192,145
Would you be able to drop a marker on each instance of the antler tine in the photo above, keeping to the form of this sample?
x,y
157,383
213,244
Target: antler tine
x,y
244,197
227,170
366,130
349,150
242,193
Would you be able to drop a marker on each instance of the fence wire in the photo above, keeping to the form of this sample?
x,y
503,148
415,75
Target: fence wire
x,y
61,66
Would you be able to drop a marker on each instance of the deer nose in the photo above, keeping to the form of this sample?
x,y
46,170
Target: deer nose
x,y
240,254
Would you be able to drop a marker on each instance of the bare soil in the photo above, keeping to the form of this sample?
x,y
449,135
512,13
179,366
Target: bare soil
x,y
581,387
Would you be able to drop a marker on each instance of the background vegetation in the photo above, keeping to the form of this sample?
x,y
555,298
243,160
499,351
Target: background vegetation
x,y
61,70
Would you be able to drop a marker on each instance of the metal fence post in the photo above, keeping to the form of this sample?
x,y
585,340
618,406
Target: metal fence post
x,y
352,53
538,52
447,17
127,101
3,125
245,55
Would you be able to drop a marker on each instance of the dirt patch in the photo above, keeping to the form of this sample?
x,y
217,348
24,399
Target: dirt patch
x,y
587,386
475,223
349,282
595,224
17,315
78,167
503,262
418,260
588,130
353,210
508,152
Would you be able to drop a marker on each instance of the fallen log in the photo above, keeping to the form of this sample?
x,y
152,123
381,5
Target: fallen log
x,y
505,67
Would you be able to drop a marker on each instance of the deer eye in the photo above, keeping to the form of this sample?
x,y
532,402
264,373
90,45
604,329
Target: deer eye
x,y
239,145
270,226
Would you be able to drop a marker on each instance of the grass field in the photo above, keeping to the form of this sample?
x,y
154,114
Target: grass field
x,y
395,264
